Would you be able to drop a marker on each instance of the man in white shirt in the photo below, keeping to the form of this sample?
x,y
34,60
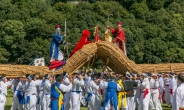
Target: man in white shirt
x,y
145,93
30,90
137,90
78,82
178,100
40,92
47,92
172,86
93,97
166,89
67,101
18,97
155,92
3,92
161,86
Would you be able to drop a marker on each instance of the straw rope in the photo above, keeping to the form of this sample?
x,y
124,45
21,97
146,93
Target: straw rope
x,y
117,61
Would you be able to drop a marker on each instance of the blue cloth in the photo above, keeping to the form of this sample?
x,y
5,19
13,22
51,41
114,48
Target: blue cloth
x,y
111,95
27,99
14,88
54,97
54,46
38,102
77,91
43,83
88,96
20,97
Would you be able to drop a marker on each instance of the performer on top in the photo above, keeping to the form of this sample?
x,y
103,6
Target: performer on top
x,y
55,52
83,40
120,39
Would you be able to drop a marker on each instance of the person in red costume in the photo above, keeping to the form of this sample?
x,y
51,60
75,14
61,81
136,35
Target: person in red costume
x,y
83,40
120,39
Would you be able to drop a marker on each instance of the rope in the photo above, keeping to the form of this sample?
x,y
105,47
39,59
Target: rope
x,y
66,47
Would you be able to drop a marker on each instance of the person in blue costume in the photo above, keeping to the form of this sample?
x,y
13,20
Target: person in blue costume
x,y
111,96
56,41
57,58
18,97
57,93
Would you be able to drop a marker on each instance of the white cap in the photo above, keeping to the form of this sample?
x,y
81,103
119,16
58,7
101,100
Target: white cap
x,y
144,74
128,75
153,74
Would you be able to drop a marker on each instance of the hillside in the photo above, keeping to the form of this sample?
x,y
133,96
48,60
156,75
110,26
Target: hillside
x,y
153,28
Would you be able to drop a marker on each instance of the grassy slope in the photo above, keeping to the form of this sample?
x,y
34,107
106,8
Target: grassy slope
x,y
9,102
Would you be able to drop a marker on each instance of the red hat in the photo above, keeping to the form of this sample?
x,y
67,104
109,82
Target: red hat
x,y
57,26
120,23
86,33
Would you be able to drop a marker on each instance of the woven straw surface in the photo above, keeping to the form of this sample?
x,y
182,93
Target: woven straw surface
x,y
117,61
79,58
21,70
175,67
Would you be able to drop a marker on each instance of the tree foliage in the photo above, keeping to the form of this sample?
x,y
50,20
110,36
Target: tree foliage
x,y
153,28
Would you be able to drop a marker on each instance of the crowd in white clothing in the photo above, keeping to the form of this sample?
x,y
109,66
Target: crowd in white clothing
x,y
132,91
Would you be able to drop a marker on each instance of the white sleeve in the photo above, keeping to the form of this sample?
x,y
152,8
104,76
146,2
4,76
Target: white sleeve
x,y
65,88
174,85
47,86
176,100
79,82
94,86
162,83
103,85
66,81
143,84
1,89
36,83
156,83
119,88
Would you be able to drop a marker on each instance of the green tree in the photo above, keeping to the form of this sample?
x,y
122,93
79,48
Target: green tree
x,y
4,55
12,35
139,10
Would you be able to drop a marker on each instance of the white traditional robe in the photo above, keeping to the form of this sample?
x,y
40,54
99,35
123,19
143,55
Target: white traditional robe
x,y
178,100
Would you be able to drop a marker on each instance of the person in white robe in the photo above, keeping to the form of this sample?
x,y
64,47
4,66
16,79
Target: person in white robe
x,y
178,100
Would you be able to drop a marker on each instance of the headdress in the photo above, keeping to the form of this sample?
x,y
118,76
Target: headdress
x,y
128,75
120,24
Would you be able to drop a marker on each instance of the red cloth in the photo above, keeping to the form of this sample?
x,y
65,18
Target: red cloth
x,y
120,36
163,96
83,40
158,93
145,93
56,64
170,91
97,37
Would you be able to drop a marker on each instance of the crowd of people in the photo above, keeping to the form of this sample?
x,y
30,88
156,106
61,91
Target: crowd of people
x,y
119,92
